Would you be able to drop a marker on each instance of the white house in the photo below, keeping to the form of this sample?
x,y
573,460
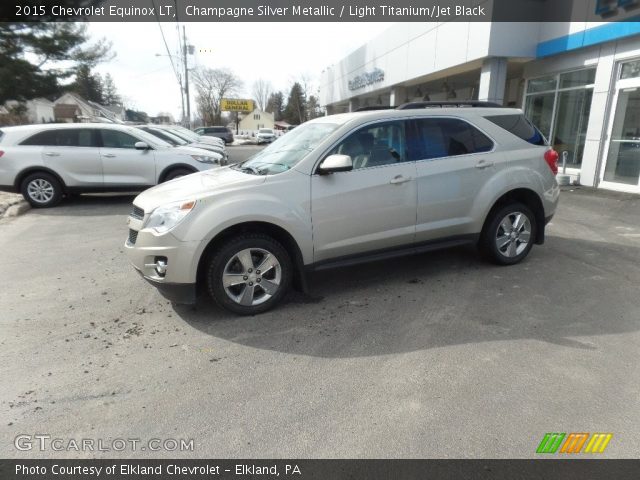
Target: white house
x,y
40,110
256,120
71,107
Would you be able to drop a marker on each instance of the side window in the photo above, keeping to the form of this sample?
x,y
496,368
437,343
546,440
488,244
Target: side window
x,y
375,145
67,137
116,139
429,138
81,137
46,138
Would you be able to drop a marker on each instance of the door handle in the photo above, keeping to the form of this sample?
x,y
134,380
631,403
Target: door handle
x,y
52,154
399,179
109,155
483,164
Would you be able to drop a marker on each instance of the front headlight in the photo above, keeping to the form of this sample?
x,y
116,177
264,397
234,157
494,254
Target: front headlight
x,y
205,159
164,218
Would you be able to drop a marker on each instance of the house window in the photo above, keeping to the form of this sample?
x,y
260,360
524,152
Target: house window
x,y
256,116
559,105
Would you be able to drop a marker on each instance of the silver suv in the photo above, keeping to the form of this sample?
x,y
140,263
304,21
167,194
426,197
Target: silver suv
x,y
344,189
44,162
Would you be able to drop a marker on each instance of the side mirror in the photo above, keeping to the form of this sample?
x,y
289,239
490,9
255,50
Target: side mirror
x,y
141,146
335,163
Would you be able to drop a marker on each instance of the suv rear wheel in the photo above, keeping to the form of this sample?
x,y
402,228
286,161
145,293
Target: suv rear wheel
x,y
509,234
249,274
41,190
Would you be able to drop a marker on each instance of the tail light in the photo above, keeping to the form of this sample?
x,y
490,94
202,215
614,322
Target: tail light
x,y
1,153
551,157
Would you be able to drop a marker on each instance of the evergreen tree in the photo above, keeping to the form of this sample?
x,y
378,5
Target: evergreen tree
x,y
88,85
295,111
29,53
275,105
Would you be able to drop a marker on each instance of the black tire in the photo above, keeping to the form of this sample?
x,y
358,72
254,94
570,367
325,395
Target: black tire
x,y
177,172
225,260
494,234
41,190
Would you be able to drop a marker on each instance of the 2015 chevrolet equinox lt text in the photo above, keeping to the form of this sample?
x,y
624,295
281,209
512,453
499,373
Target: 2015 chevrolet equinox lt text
x,y
343,189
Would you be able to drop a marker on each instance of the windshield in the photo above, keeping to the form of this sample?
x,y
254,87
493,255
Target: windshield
x,y
185,133
166,136
265,130
287,151
150,139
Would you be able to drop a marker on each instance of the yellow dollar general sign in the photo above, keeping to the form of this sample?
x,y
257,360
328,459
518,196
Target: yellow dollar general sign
x,y
574,442
236,105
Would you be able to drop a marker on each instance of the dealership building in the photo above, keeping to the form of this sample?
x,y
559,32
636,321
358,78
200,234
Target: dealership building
x,y
579,82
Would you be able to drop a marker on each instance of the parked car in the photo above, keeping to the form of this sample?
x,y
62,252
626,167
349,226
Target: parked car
x,y
174,138
224,133
265,135
343,189
192,136
47,161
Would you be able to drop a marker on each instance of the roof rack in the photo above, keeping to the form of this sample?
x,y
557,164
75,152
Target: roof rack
x,y
468,103
375,107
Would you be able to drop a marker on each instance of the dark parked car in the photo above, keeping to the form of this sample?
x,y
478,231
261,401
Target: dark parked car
x,y
224,133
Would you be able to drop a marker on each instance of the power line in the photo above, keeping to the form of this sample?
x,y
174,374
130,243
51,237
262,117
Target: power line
x,y
175,72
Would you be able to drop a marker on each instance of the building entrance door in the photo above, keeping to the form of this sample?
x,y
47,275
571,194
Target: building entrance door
x,y
622,164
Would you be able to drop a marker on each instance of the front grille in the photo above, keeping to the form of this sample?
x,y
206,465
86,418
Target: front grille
x,y
133,236
137,213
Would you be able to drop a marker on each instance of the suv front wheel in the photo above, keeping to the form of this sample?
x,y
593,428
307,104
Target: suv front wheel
x,y
509,234
249,274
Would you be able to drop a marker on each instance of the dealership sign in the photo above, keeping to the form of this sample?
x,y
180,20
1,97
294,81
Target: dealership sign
x,y
365,79
236,105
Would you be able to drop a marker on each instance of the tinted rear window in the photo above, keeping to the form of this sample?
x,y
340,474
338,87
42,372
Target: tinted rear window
x,y
444,137
520,126
68,137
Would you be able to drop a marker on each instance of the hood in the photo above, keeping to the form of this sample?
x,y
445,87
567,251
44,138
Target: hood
x,y
210,140
196,186
189,150
207,146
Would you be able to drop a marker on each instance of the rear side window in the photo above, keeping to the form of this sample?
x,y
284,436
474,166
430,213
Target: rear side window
x,y
520,126
1,135
429,138
68,137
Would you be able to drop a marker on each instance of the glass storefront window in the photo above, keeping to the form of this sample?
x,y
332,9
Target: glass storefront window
x,y
542,84
623,160
579,78
572,118
559,105
539,110
630,70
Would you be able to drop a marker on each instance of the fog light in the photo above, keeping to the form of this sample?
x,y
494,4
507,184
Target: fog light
x,y
161,266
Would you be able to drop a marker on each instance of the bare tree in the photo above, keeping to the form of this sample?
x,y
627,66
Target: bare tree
x,y
261,92
212,85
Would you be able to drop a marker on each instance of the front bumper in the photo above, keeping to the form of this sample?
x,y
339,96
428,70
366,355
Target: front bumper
x,y
178,283
180,293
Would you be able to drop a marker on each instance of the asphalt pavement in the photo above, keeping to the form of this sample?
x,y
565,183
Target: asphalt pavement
x,y
438,355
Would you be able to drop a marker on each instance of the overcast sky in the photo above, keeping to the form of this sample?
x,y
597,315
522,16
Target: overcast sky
x,y
278,52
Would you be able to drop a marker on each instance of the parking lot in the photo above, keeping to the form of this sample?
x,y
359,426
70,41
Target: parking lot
x,y
436,355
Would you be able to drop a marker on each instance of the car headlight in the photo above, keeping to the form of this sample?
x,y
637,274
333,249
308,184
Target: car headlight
x,y
164,218
205,159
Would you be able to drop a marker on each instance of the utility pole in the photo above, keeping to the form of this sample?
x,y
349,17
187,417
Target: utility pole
x,y
186,76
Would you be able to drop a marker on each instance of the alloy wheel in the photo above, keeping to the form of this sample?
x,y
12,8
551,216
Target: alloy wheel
x,y
513,234
252,276
40,190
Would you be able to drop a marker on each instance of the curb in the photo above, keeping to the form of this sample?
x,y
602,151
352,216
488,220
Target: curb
x,y
13,206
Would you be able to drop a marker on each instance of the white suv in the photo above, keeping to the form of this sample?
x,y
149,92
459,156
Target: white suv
x,y
344,189
44,162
